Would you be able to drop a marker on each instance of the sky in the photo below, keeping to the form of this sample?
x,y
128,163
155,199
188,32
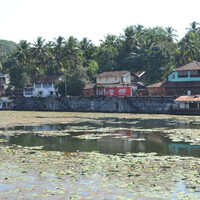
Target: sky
x,y
94,19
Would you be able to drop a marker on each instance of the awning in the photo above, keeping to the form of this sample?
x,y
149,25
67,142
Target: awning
x,y
188,99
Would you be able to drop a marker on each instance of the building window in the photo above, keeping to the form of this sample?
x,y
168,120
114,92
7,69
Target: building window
x,y
173,76
39,93
2,80
50,93
182,74
28,92
195,73
47,85
37,85
193,105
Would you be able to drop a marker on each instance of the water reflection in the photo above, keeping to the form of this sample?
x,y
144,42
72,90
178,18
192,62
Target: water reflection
x,y
184,149
153,142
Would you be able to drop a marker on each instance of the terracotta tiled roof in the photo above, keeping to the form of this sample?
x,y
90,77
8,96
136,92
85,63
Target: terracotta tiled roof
x,y
171,84
89,86
155,85
190,66
49,79
188,98
112,74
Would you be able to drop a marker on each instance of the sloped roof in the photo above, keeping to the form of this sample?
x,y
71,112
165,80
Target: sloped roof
x,y
49,79
133,74
195,98
190,66
112,74
139,73
139,85
171,84
89,86
159,84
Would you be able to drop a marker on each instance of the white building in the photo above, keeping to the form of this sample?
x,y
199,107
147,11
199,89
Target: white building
x,y
189,103
43,88
115,83
6,103
4,81
114,77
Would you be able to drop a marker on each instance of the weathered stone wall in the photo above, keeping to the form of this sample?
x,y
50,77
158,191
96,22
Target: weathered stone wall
x,y
99,104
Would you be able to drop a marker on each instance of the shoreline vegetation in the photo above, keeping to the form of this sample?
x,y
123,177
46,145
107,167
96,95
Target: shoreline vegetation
x,y
29,172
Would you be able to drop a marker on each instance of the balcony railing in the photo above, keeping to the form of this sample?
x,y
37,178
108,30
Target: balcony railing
x,y
190,110
195,75
182,76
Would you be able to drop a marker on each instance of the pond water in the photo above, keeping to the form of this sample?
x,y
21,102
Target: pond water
x,y
124,137
102,175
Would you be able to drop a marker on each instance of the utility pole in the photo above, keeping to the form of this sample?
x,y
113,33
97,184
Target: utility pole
x,y
65,85
0,87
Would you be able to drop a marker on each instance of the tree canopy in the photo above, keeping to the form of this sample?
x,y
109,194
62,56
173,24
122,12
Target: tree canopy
x,y
7,46
154,50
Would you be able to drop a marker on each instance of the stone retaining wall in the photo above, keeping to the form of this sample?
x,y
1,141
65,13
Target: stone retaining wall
x,y
99,104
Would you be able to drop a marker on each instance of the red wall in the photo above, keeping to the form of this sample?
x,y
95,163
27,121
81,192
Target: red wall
x,y
120,91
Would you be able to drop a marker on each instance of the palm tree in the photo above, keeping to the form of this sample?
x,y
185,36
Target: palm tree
x,y
156,34
86,44
57,50
189,48
109,40
72,53
58,46
23,52
39,53
130,39
141,55
171,34
88,50
193,27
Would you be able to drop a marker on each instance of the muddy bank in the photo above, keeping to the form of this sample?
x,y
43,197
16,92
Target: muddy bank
x,y
17,118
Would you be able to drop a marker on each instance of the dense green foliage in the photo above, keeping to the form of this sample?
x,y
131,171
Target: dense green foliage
x,y
75,81
7,46
154,50
19,78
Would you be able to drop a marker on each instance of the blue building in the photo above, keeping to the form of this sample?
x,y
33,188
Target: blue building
x,y
189,72
184,80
